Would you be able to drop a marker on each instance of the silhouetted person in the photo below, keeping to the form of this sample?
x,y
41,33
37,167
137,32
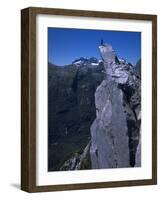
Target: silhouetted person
x,y
101,42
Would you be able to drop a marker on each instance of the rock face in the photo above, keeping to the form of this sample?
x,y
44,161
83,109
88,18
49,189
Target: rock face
x,y
138,66
115,132
71,109
78,161
138,155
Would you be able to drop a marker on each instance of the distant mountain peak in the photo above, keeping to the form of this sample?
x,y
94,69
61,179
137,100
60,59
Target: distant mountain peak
x,y
86,61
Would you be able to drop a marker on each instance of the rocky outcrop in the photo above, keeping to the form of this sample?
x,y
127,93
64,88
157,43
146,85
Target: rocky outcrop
x,y
138,66
138,155
115,132
78,161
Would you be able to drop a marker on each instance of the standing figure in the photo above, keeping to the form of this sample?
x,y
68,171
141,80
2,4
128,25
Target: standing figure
x,y
101,42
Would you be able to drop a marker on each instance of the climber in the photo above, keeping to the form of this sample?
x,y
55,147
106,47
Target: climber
x,y
101,42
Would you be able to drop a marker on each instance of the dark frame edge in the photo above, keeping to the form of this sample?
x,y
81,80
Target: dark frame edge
x,y
154,99
24,99
28,100
96,185
90,13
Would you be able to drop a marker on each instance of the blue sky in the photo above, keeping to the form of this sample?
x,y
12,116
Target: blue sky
x,y
66,45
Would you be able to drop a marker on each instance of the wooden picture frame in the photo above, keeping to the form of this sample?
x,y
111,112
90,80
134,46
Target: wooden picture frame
x,y
28,98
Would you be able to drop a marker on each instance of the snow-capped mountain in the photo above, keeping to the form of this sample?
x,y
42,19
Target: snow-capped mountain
x,y
86,61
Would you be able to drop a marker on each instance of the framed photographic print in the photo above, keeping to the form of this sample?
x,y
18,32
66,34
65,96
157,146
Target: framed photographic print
x,y
89,99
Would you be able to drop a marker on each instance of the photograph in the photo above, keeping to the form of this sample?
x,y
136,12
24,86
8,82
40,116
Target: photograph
x,y
89,99
94,99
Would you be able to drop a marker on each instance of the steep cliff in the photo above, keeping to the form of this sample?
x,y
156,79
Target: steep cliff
x,y
71,109
115,132
138,66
